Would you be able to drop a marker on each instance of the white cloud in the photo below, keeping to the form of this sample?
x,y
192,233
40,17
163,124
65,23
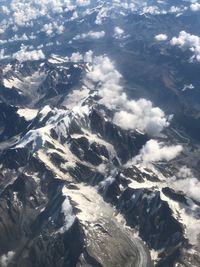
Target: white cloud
x,y
49,44
24,55
67,211
143,116
1,31
82,2
53,28
153,151
88,57
118,31
5,259
195,7
76,57
48,29
21,38
104,71
153,10
161,37
90,34
188,41
23,12
129,114
5,10
186,182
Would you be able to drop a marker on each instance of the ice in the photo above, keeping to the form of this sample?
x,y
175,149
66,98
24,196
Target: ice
x,y
57,59
12,83
27,113
189,220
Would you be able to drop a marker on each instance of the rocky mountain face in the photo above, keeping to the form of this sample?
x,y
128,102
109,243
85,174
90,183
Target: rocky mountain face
x,y
67,195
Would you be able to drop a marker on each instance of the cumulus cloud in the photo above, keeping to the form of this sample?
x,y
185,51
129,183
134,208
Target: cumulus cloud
x,y
188,41
104,73
5,10
91,35
153,10
154,151
187,183
53,28
195,7
143,116
24,55
88,57
23,37
161,37
5,259
76,57
129,114
118,32
1,30
82,2
23,13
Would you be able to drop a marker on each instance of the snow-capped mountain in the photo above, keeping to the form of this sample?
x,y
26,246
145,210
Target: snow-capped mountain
x,y
73,180
99,135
